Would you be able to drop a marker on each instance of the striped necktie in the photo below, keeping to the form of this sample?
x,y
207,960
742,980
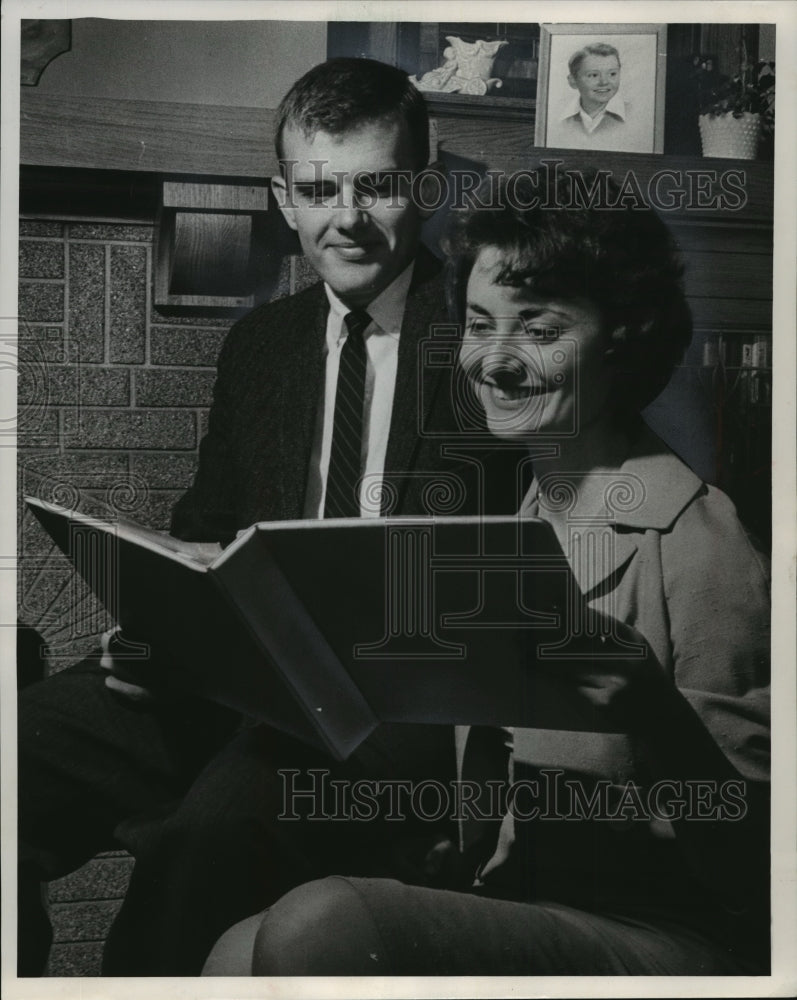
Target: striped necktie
x,y
343,477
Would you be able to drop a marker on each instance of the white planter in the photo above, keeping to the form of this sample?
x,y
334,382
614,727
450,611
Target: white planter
x,y
724,135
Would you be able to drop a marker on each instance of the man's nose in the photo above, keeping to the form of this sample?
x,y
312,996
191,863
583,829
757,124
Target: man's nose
x,y
351,213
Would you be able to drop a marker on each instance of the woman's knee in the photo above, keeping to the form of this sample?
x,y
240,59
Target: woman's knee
x,y
321,928
231,955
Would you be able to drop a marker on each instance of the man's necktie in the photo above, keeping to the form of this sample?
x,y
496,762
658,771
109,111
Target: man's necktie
x,y
342,497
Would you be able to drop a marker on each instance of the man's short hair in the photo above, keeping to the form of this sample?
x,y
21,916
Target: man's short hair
x,y
344,93
623,260
595,49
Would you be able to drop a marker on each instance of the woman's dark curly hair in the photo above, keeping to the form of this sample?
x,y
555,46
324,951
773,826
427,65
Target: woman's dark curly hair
x,y
622,259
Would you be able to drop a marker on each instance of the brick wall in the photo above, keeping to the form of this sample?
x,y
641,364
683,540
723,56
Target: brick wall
x,y
113,399
82,908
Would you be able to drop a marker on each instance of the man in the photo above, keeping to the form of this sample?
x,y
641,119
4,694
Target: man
x,y
346,189
191,789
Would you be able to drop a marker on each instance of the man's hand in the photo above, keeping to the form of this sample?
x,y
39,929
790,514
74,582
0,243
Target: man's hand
x,y
126,677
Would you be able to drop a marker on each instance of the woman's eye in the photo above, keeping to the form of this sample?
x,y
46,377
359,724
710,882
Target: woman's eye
x,y
545,333
478,327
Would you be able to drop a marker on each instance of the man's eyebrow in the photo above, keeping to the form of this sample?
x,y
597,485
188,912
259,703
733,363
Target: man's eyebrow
x,y
314,183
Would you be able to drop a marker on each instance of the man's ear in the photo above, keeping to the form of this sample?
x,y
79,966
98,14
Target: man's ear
x,y
430,189
279,188
572,81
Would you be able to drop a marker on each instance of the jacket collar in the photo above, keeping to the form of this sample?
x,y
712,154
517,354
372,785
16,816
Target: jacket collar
x,y
299,388
417,383
648,490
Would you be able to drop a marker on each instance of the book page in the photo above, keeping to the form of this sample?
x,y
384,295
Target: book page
x,y
62,522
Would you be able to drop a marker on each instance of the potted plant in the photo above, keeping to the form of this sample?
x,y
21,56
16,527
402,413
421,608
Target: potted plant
x,y
736,112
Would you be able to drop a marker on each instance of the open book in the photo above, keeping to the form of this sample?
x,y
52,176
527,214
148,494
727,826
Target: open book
x,y
326,628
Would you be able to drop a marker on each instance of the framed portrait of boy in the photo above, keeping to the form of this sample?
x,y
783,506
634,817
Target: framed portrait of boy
x,y
601,86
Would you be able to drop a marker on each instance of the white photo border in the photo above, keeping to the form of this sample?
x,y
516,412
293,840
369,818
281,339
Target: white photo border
x,y
783,980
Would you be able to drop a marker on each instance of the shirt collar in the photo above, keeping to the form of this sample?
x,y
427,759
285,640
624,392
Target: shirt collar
x,y
616,107
387,309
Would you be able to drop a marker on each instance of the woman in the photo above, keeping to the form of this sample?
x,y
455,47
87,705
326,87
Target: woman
x,y
648,850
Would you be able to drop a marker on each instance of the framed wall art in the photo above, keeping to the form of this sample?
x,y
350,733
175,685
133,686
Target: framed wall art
x,y
601,86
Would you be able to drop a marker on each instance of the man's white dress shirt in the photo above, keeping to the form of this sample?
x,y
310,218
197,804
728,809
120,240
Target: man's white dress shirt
x,y
381,344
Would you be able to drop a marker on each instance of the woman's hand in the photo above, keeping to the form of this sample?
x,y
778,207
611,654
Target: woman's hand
x,y
611,665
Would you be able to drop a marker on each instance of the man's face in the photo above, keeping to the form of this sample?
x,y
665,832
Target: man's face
x,y
349,198
597,80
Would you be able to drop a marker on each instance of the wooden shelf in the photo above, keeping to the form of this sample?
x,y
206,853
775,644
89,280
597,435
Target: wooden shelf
x,y
492,106
202,139
161,137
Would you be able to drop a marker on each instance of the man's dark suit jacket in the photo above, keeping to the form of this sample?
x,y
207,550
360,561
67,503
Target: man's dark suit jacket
x,y
253,462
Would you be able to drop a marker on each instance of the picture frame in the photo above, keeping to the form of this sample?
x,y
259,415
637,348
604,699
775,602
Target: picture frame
x,y
626,106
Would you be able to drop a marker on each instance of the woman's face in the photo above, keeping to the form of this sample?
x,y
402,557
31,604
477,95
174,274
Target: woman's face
x,y
538,365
